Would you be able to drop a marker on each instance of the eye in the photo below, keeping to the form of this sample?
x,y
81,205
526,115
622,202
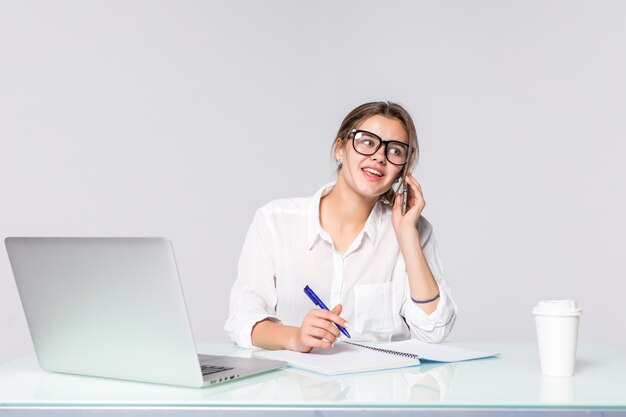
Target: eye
x,y
363,139
397,150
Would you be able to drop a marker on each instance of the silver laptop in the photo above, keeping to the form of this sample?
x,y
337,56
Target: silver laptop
x,y
114,308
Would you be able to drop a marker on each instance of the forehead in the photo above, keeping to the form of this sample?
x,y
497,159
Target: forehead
x,y
385,127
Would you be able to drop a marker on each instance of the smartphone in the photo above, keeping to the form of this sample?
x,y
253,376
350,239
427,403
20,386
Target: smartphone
x,y
405,192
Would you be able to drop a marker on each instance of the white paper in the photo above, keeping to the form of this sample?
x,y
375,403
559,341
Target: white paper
x,y
345,358
435,352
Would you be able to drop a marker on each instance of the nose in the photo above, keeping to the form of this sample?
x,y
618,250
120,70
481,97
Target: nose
x,y
379,155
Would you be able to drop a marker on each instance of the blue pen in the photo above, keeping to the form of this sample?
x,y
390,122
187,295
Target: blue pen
x,y
316,300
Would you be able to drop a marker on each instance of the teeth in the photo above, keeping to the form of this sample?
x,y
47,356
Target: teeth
x,y
373,171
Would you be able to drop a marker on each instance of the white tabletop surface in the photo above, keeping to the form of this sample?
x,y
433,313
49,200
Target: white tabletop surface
x,y
513,380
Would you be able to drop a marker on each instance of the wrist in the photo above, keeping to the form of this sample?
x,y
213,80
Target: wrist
x,y
408,236
289,339
292,341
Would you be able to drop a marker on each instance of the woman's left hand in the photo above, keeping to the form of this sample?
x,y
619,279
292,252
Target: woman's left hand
x,y
414,206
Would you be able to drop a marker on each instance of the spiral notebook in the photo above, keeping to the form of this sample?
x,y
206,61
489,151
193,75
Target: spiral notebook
x,y
350,357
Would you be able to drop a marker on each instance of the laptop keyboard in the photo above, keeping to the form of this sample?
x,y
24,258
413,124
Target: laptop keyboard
x,y
209,369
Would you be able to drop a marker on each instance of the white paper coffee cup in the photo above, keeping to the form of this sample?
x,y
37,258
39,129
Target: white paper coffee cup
x,y
557,334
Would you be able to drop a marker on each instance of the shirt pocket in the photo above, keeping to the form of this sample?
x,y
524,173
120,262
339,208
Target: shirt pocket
x,y
374,311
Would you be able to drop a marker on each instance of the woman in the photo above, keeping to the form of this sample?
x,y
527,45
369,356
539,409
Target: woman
x,y
352,245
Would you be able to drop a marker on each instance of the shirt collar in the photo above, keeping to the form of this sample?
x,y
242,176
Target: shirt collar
x,y
372,225
315,230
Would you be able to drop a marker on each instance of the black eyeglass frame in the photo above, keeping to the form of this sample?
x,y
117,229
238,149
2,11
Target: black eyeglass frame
x,y
382,143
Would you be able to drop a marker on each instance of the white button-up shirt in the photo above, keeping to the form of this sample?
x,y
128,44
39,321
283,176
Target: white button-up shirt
x,y
286,249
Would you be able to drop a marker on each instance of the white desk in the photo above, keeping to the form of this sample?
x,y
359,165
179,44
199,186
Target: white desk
x,y
509,385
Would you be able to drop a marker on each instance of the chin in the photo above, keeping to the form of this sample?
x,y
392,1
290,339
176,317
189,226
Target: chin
x,y
367,189
372,192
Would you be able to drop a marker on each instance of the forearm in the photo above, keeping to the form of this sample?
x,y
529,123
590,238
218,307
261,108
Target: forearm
x,y
271,335
421,280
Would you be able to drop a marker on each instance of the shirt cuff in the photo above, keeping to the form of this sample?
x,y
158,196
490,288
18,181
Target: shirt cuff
x,y
442,315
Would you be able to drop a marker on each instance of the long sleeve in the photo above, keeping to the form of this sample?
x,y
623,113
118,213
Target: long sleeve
x,y
436,326
253,297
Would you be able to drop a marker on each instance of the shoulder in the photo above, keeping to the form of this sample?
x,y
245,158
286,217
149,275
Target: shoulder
x,y
284,211
291,213
296,205
280,217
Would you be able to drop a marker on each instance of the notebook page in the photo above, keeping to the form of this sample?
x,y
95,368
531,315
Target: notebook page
x,y
435,351
341,359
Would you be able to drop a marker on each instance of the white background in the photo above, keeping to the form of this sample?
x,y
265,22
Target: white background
x,y
180,118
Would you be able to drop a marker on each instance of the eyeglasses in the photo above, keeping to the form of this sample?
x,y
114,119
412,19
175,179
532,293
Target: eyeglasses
x,y
368,143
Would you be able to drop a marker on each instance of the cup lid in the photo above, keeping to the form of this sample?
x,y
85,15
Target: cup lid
x,y
557,308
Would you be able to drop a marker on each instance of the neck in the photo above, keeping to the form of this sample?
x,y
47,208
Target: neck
x,y
345,206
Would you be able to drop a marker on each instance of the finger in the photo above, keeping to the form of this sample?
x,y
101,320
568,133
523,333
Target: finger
x,y
413,184
337,309
321,334
415,194
316,343
397,205
328,315
411,180
412,191
320,323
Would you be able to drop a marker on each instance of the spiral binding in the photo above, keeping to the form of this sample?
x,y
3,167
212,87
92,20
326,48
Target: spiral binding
x,y
391,352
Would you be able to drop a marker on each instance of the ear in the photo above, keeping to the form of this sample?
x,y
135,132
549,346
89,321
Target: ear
x,y
339,149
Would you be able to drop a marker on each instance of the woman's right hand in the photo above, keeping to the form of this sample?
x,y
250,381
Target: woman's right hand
x,y
318,329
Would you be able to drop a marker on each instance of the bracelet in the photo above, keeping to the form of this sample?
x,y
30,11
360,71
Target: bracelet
x,y
426,301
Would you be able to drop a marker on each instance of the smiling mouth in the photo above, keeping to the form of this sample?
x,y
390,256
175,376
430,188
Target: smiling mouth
x,y
373,172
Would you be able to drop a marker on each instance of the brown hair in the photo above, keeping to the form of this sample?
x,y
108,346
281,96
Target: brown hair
x,y
387,109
